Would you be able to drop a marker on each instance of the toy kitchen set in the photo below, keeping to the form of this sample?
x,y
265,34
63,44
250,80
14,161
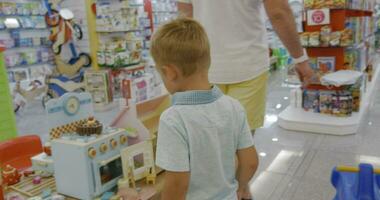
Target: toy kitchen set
x,y
88,160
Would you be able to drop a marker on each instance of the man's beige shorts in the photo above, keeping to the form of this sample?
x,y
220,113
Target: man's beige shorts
x,y
252,95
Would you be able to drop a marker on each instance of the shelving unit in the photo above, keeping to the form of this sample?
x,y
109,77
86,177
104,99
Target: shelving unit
x,y
27,46
296,118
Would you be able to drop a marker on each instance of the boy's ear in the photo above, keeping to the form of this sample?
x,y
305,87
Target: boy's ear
x,y
171,72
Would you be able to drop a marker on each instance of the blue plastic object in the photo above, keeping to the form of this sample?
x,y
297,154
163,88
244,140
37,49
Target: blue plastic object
x,y
364,185
107,196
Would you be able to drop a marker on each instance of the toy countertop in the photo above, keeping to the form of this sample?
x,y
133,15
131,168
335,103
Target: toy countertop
x,y
140,184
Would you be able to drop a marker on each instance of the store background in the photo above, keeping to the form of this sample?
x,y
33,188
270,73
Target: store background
x,y
294,165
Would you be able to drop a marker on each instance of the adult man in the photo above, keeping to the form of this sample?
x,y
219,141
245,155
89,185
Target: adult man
x,y
239,47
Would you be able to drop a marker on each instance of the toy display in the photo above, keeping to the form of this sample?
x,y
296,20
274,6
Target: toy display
x,y
99,84
121,52
138,162
21,9
356,183
336,4
327,38
89,127
163,11
326,64
10,175
27,188
116,16
337,103
43,165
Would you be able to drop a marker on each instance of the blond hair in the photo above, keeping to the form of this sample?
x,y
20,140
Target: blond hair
x,y
184,43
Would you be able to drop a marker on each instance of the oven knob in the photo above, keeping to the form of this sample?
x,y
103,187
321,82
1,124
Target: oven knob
x,y
113,143
91,152
123,139
103,148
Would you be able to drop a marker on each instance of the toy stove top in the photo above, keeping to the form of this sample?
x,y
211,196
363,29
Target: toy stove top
x,y
89,139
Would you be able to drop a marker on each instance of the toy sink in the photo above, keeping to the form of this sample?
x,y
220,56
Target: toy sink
x,y
361,183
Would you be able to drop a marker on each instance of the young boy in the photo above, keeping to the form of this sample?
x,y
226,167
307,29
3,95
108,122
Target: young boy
x,y
203,132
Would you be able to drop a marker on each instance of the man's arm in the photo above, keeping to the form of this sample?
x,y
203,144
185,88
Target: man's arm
x,y
185,8
282,19
175,186
248,162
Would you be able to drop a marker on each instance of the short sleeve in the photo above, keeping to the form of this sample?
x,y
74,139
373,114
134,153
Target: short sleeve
x,y
184,1
172,147
245,139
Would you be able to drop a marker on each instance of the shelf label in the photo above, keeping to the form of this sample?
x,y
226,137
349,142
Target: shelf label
x,y
318,17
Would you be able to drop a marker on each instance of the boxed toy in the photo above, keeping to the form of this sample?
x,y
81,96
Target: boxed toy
x,y
310,100
325,102
326,64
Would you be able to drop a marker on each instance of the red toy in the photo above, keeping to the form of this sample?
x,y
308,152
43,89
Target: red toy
x,y
11,175
17,152
1,190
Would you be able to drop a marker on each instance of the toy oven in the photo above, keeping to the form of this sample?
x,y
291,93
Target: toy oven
x,y
107,173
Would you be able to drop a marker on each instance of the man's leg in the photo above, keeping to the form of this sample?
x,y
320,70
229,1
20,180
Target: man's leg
x,y
252,95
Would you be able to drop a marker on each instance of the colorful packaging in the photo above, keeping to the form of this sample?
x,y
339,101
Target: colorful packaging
x,y
311,100
335,38
325,36
346,38
326,64
304,39
326,102
314,39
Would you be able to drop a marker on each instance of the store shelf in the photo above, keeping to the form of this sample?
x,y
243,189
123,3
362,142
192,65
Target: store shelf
x,y
28,47
297,119
21,29
117,31
17,15
31,65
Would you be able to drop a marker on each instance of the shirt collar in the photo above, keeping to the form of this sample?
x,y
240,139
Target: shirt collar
x,y
197,96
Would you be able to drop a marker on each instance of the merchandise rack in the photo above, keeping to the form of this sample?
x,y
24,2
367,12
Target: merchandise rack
x,y
338,17
25,32
298,119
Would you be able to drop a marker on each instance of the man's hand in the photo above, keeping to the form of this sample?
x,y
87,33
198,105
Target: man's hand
x,y
306,74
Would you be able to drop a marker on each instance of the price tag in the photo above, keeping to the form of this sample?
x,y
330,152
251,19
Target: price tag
x,y
318,17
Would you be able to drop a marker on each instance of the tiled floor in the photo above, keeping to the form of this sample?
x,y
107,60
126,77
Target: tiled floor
x,y
297,166
293,165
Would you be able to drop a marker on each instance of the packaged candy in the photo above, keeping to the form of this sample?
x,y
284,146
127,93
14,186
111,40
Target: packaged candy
x,y
339,3
318,4
325,36
314,39
346,38
304,39
335,38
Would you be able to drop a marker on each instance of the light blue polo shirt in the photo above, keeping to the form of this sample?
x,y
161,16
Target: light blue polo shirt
x,y
200,134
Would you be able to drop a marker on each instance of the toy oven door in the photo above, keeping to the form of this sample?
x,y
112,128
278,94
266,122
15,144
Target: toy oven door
x,y
107,173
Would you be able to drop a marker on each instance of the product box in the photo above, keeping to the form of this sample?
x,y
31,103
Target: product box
x,y
326,64
325,102
310,100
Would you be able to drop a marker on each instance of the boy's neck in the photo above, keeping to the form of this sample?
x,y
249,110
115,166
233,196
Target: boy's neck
x,y
195,82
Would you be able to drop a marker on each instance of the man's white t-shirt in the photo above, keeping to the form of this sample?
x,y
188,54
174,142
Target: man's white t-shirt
x,y
238,38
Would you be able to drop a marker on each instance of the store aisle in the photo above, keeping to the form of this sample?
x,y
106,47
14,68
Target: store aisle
x,y
297,166
293,165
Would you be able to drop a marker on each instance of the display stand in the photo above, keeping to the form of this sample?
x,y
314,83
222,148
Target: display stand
x,y
8,128
299,120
